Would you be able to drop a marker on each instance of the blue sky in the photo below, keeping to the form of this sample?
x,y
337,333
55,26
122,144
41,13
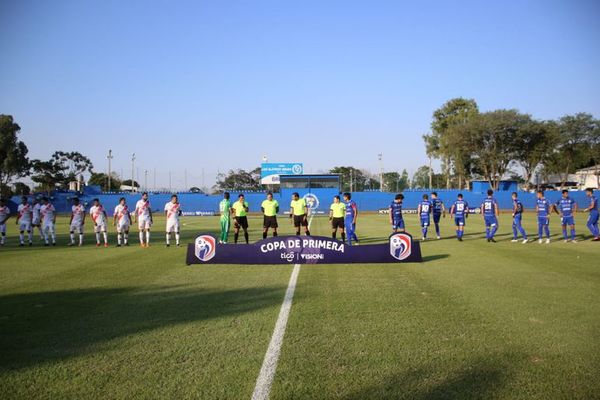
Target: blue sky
x,y
215,85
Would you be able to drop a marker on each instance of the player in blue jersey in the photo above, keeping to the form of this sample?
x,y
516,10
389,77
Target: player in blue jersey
x,y
566,208
438,211
542,209
517,218
395,211
460,212
490,211
350,218
424,211
592,222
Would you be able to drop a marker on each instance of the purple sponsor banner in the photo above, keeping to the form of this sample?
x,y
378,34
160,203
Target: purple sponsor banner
x,y
303,250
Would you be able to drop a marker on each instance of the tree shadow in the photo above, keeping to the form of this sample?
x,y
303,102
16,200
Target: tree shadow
x,y
434,257
481,379
48,326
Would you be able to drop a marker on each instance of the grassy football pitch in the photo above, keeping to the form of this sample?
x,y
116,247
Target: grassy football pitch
x,y
474,320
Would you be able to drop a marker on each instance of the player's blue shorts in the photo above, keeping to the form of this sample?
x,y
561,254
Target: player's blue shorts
x,y
491,220
543,220
436,218
460,221
425,222
593,218
517,218
398,224
570,220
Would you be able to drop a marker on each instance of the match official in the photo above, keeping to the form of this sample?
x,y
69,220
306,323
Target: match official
x,y
299,214
337,211
240,214
270,208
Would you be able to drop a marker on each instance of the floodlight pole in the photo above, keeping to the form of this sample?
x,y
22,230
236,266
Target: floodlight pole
x,y
380,156
109,157
132,170
145,179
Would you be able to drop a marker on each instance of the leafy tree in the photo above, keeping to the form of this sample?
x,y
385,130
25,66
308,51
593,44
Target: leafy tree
x,y
238,180
536,141
60,170
576,133
13,154
395,182
101,179
47,175
447,140
494,140
352,179
22,189
420,179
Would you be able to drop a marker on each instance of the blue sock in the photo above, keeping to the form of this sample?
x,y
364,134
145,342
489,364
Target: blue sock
x,y
540,231
424,230
461,233
573,234
494,229
565,233
437,229
487,232
514,232
547,229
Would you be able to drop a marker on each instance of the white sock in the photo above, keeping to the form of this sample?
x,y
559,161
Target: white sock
x,y
72,237
105,237
141,237
97,237
168,238
21,237
81,238
147,237
30,234
119,235
53,237
125,237
177,238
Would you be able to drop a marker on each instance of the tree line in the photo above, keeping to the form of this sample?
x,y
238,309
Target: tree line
x,y
496,144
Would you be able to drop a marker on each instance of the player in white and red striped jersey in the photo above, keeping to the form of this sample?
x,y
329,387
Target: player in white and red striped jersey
x,y
77,221
4,216
48,214
122,220
143,215
173,212
36,221
99,217
24,221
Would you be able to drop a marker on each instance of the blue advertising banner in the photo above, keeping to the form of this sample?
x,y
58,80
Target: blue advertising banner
x,y
303,250
269,172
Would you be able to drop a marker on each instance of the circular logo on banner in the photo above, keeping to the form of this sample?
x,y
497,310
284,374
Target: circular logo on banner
x,y
400,246
205,247
312,201
296,169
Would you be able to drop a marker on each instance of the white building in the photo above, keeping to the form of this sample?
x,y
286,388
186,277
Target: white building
x,y
588,177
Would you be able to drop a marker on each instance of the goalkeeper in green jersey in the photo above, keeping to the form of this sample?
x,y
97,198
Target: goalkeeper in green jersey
x,y
225,211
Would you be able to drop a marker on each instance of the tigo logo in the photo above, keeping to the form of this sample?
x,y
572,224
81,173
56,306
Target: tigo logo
x,y
400,246
205,247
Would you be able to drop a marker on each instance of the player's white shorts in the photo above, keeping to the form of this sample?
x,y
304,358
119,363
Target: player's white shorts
x,y
101,227
77,227
122,227
144,223
3,228
25,227
48,227
36,221
172,226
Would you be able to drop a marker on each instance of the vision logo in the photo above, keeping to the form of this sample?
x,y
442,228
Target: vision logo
x,y
296,169
205,247
400,246
312,201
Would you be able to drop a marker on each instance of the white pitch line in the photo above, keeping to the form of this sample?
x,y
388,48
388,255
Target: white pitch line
x,y
269,366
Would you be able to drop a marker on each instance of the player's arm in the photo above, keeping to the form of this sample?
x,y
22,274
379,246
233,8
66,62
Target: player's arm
x,y
18,218
355,212
291,212
115,219
574,207
246,207
419,211
150,212
391,215
54,219
591,207
443,211
497,209
135,213
83,218
452,210
71,219
330,214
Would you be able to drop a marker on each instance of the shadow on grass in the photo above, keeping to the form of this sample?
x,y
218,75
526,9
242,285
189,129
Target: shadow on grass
x,y
481,380
45,327
434,257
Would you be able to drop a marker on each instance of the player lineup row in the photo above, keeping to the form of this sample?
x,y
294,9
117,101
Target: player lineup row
x,y
42,215
343,216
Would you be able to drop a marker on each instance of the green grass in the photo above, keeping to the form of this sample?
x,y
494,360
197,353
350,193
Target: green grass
x,y
475,320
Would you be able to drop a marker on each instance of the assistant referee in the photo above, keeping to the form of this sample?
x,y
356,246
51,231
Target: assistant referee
x,y
299,213
270,208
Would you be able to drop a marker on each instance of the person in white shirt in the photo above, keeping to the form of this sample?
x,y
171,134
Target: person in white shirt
x,y
4,216
122,220
48,215
24,221
143,215
173,212
99,217
36,221
77,221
